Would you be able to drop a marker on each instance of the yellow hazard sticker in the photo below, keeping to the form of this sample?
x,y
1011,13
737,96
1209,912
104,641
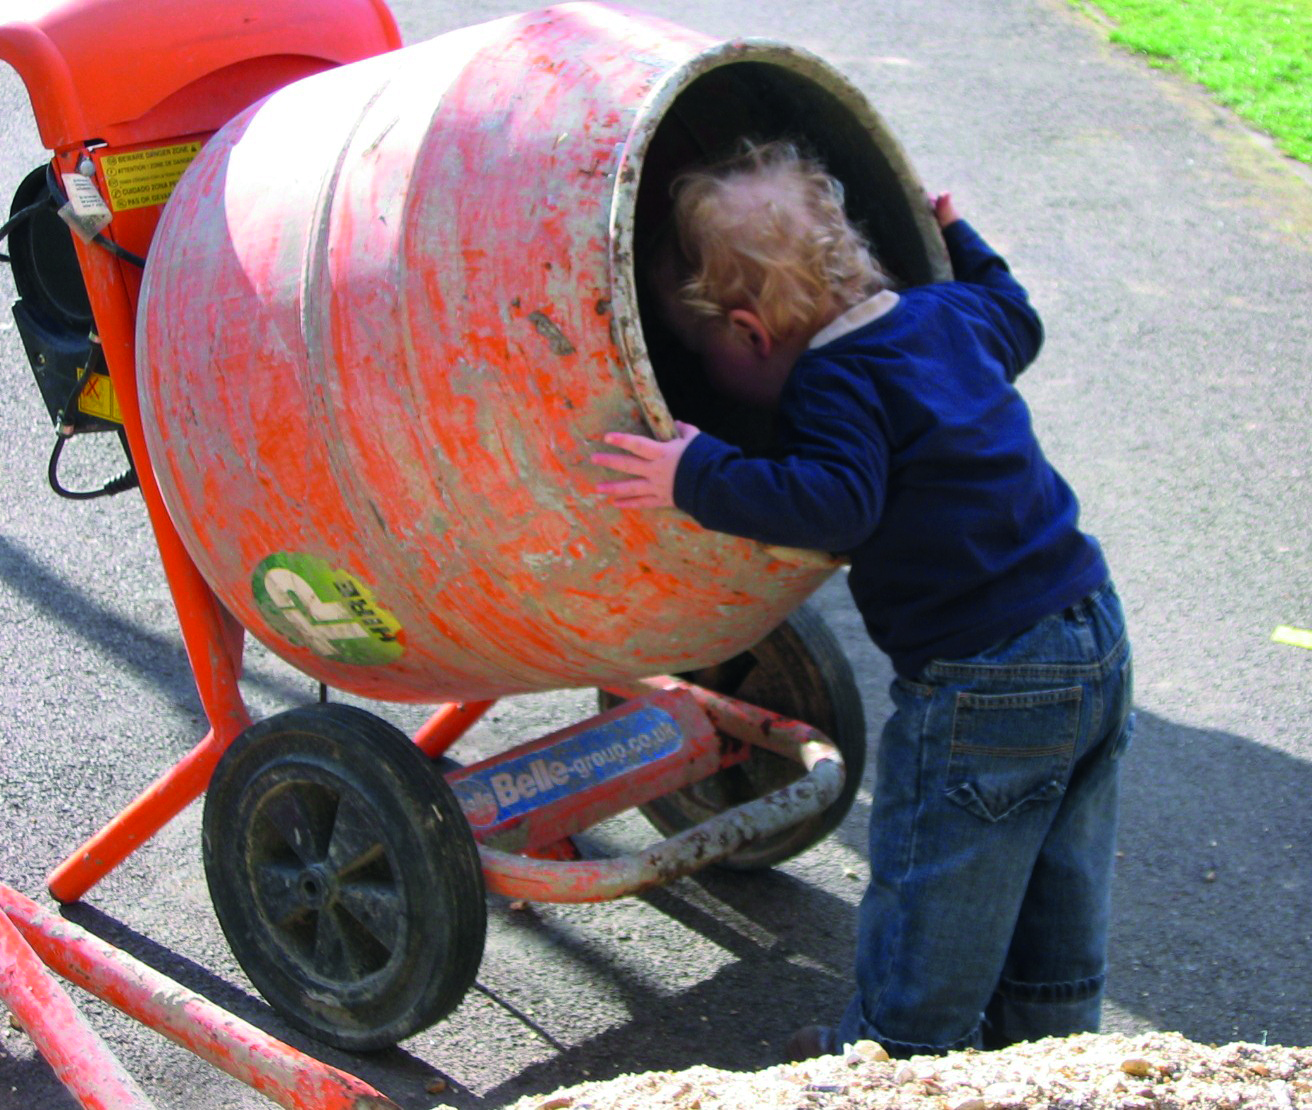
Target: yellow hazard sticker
x,y
140,178
98,399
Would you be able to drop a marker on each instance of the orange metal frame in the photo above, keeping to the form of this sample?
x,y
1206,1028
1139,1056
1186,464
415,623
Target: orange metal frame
x,y
79,1057
207,62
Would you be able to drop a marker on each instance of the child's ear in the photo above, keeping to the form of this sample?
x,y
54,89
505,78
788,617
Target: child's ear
x,y
748,328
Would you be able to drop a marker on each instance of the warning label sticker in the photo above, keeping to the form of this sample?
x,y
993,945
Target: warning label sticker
x,y
86,211
140,178
98,399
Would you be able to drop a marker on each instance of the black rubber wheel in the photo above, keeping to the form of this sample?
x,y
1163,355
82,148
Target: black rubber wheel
x,y
344,875
800,671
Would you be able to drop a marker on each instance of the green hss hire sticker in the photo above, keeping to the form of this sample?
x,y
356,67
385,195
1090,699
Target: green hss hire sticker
x,y
325,609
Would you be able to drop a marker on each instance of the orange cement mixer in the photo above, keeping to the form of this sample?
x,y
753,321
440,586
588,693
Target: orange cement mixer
x,y
388,310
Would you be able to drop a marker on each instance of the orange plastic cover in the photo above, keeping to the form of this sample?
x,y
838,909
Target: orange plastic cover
x,y
130,71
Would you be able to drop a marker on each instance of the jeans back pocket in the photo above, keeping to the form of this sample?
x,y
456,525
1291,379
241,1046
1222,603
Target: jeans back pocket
x,y
1010,751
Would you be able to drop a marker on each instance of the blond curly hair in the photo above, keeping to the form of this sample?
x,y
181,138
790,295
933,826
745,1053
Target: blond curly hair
x,y
766,230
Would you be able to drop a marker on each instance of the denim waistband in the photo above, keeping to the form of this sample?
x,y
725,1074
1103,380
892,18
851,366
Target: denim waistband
x,y
1105,646
1084,608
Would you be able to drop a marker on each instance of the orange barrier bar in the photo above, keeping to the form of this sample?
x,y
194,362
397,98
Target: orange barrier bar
x,y
158,804
276,1070
61,1034
449,724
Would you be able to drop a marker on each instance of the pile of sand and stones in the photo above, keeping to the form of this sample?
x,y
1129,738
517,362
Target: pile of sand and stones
x,y
1152,1071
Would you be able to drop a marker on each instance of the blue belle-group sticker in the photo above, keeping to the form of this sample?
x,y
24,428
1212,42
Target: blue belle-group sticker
x,y
504,790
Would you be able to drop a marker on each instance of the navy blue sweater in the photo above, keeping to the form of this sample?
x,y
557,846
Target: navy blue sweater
x,y
905,446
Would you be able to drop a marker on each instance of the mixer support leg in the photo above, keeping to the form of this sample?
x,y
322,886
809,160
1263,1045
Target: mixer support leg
x,y
154,808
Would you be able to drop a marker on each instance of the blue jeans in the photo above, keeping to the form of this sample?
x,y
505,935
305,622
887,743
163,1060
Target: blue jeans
x,y
992,837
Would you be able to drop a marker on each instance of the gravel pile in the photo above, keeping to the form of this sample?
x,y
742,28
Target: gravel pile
x,y
1152,1071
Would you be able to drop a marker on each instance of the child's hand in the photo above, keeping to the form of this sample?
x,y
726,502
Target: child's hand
x,y
652,464
944,210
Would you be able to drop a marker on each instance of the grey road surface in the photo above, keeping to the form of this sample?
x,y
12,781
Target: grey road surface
x,y
1170,253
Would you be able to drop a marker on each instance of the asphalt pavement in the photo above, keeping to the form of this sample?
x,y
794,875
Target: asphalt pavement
x,y
1169,251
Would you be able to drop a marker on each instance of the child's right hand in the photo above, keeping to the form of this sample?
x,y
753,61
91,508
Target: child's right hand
x,y
944,210
651,464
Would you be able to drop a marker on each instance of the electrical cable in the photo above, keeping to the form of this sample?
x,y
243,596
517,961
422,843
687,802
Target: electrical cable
x,y
95,359
125,481
100,239
17,218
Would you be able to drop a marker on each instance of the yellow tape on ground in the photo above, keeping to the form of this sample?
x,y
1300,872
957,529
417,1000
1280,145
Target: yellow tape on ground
x,y
1296,637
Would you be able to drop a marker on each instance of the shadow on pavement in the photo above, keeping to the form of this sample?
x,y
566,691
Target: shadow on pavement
x,y
1211,900
157,660
1213,876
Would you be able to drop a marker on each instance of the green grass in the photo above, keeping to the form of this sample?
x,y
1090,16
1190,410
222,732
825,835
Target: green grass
x,y
1255,56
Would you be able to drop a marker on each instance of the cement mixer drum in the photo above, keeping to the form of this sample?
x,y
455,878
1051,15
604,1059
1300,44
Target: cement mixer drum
x,y
391,310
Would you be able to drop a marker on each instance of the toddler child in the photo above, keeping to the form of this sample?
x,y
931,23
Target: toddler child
x,y
901,441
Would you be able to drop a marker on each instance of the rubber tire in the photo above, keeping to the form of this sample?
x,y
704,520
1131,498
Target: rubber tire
x,y
344,875
800,671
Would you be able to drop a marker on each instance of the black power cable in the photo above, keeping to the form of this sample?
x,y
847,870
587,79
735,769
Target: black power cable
x,y
17,218
125,481
100,239
95,359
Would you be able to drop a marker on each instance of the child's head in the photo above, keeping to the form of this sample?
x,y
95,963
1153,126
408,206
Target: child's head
x,y
765,257
766,231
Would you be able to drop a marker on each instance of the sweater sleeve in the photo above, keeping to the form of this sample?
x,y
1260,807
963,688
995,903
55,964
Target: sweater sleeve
x,y
976,264
825,488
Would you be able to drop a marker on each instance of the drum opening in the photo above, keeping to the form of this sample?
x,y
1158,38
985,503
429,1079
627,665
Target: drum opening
x,y
787,94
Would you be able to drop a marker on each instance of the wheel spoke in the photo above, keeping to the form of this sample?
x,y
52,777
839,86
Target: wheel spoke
x,y
355,842
377,907
333,955
729,787
276,890
303,827
737,785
